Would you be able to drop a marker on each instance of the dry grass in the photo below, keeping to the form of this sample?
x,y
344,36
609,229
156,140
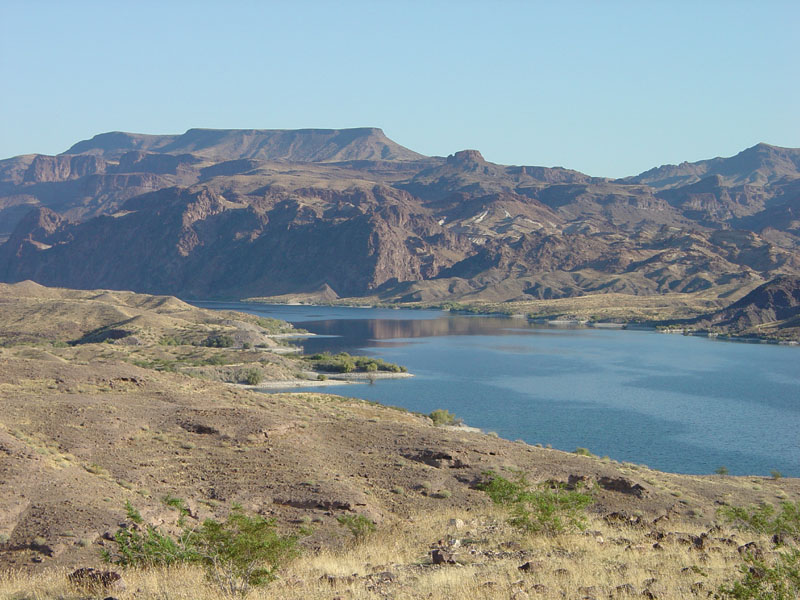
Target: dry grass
x,y
395,562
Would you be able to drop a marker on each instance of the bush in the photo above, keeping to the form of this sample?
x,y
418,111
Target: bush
x,y
359,525
548,508
760,581
140,545
582,452
442,416
219,341
237,553
344,363
242,551
251,376
765,519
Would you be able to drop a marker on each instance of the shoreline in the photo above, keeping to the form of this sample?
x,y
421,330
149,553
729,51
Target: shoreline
x,y
332,380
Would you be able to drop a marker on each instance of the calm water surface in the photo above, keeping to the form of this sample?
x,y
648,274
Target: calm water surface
x,y
675,403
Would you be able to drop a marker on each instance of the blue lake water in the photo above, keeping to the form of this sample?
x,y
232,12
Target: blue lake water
x,y
674,403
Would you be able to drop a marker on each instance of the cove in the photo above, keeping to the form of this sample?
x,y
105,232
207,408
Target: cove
x,y
675,403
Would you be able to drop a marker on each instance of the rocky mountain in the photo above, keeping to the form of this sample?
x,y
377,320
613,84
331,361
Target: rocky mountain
x,y
772,309
232,213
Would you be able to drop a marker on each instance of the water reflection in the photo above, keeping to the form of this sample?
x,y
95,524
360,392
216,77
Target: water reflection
x,y
372,332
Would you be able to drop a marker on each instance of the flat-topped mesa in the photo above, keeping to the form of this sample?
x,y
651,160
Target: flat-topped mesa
x,y
466,157
292,145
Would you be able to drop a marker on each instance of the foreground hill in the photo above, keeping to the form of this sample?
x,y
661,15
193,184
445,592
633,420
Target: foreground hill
x,y
83,430
234,213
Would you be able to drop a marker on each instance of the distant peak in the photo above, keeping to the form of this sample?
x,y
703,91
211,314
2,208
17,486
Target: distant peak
x,y
464,157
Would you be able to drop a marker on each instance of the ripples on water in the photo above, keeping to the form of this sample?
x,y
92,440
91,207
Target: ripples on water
x,y
675,403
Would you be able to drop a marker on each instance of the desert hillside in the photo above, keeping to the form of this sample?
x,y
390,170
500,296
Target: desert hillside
x,y
90,421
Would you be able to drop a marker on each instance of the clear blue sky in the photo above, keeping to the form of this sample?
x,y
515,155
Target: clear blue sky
x,y
608,88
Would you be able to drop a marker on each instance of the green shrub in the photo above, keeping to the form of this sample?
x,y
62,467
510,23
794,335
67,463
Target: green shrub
x,y
141,545
242,551
775,474
215,360
237,553
583,452
761,581
344,363
547,508
723,470
218,341
251,376
441,416
359,525
765,519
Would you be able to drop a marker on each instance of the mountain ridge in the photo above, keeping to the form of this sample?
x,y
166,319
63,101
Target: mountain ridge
x,y
275,212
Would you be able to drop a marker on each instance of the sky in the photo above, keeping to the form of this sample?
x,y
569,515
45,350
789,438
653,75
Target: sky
x,y
604,87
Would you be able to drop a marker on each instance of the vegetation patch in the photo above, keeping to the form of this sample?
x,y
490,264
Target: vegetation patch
x,y
345,363
783,522
442,416
237,553
548,508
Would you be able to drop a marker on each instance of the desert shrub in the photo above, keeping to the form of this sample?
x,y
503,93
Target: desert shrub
x,y
159,364
547,508
765,518
723,470
358,525
142,545
583,452
169,340
779,580
344,363
251,376
441,416
242,551
218,341
237,553
215,360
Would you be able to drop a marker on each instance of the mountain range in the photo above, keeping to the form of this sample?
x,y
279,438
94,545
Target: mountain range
x,y
350,213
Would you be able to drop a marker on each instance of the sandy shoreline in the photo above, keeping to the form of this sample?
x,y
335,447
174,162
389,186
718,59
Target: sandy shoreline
x,y
335,379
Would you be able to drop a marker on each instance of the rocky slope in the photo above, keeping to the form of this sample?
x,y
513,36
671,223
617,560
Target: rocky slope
x,y
233,213
771,310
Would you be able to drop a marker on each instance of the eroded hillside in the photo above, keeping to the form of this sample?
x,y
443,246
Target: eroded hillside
x,y
233,214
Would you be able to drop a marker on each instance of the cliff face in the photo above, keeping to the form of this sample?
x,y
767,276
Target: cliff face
x,y
267,212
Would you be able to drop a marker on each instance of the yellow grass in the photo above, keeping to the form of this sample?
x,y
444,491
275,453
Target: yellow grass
x,y
592,563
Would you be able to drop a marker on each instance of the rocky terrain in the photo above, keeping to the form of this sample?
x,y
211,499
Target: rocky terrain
x,y
771,310
90,419
349,213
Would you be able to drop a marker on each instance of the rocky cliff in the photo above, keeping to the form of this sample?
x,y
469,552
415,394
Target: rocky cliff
x,y
266,212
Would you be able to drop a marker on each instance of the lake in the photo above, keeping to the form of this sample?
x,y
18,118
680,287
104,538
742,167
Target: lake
x,y
675,403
